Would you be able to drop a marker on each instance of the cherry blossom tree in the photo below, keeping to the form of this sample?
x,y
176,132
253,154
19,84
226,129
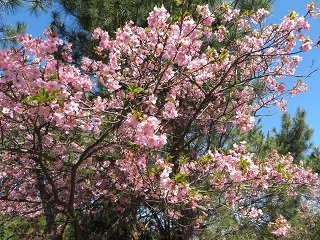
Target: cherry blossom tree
x,y
66,150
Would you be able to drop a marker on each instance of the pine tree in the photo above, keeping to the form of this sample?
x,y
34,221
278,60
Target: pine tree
x,y
294,136
8,33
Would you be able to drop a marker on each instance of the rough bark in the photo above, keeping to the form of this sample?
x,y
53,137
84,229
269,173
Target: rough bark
x,y
51,226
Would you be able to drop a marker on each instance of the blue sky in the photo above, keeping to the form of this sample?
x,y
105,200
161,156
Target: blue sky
x,y
308,101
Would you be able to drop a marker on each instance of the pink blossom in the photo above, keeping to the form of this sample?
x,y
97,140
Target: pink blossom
x,y
170,110
236,175
220,33
306,46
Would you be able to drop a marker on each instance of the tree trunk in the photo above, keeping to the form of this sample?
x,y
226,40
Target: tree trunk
x,y
51,226
189,231
133,230
76,224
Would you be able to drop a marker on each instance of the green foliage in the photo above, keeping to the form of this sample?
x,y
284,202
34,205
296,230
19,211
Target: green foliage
x,y
134,89
9,5
181,178
15,228
45,96
256,141
254,5
313,160
295,135
8,33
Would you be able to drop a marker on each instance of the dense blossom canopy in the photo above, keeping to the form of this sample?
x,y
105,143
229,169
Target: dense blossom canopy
x,y
64,146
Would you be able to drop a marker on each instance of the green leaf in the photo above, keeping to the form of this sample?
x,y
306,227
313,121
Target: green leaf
x,y
42,91
181,178
286,175
52,77
182,160
157,170
61,102
292,15
138,90
168,158
44,96
32,98
137,114
135,89
219,175
205,159
244,164
279,167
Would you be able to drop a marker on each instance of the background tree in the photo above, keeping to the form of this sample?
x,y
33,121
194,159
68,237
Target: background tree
x,y
84,16
294,135
313,160
9,33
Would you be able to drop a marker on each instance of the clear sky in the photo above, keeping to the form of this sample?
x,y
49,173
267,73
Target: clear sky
x,y
308,101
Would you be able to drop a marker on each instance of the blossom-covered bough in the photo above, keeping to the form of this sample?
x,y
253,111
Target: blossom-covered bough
x,y
134,144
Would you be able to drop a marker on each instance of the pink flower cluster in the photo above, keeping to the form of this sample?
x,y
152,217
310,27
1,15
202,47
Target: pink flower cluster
x,y
281,225
206,15
146,133
158,17
299,87
259,15
220,34
312,10
163,88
